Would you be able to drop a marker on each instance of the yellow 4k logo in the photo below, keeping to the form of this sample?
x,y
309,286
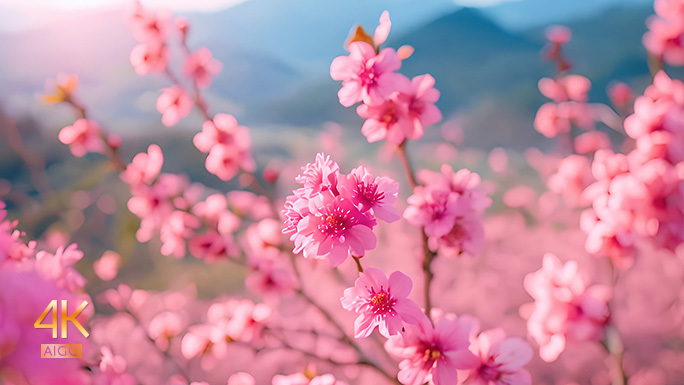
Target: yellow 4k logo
x,y
64,318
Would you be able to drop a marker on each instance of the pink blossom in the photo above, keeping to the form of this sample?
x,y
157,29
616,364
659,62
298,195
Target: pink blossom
x,y
430,353
228,145
112,370
381,302
620,94
466,236
366,76
333,229
569,87
201,67
152,203
665,37
404,114
82,137
374,194
550,122
443,198
502,359
145,167
572,177
59,267
164,326
106,268
318,176
566,308
271,277
174,104
149,58
178,227
149,25
212,246
388,120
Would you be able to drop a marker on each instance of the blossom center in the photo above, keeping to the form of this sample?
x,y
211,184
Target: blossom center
x,y
381,303
432,354
369,192
336,222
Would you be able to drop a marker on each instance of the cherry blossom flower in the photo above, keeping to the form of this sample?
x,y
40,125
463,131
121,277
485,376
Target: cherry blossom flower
x,y
82,137
381,302
174,104
565,308
145,167
665,37
333,229
149,58
228,145
201,67
106,268
432,353
366,76
374,194
502,360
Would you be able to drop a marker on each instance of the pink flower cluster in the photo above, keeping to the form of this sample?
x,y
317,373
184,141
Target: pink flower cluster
x,y
569,107
232,320
640,194
449,206
395,108
665,37
565,309
82,137
169,204
332,215
228,146
151,30
151,55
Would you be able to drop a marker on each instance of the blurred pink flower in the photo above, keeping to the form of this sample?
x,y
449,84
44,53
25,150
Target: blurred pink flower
x,y
174,104
149,58
620,94
149,25
381,302
164,326
112,370
665,37
82,137
177,227
107,267
228,145
549,122
59,267
201,67
430,353
420,99
145,167
565,308
502,360
572,177
212,246
366,76
569,87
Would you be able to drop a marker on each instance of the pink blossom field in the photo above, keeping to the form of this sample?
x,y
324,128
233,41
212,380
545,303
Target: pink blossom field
x,y
389,250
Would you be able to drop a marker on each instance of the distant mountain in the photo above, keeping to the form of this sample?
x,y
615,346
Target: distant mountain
x,y
488,75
